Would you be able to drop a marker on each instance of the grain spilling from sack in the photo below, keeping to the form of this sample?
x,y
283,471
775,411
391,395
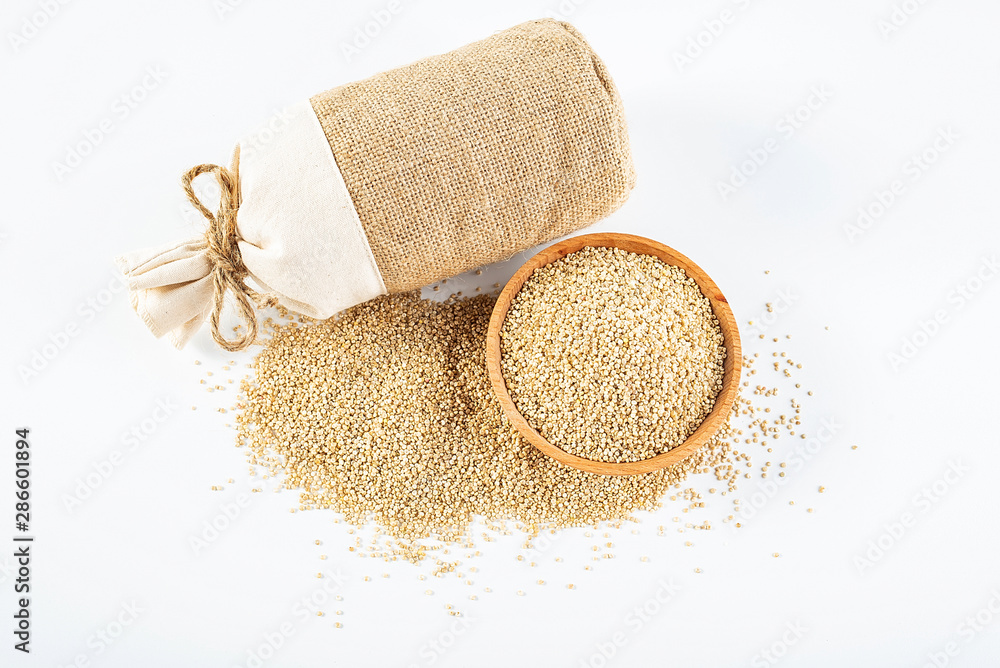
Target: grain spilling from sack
x,y
386,414
612,356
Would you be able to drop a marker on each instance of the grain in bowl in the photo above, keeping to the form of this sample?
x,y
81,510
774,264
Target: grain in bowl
x,y
611,355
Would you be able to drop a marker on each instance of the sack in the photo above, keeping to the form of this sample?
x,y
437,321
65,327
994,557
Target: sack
x,y
394,182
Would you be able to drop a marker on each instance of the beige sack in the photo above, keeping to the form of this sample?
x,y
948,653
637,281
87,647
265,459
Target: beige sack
x,y
391,183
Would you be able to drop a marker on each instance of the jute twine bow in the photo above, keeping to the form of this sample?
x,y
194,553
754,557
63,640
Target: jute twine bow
x,y
228,270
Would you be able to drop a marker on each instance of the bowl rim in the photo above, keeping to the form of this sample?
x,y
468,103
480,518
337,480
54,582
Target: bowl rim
x,y
720,307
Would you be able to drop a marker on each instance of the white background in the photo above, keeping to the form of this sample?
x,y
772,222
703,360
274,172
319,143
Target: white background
x,y
892,89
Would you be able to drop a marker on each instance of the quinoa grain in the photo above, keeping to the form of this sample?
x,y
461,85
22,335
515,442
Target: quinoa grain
x,y
612,356
386,414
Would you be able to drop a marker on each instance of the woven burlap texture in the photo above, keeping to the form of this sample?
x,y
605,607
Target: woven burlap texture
x,y
464,159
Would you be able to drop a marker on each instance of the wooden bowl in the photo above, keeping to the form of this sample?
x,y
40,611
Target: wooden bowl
x,y
633,244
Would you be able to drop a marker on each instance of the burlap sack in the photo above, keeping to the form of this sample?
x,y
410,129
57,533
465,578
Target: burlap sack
x,y
391,183
464,159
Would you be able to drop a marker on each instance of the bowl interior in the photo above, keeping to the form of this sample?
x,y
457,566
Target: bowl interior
x,y
635,244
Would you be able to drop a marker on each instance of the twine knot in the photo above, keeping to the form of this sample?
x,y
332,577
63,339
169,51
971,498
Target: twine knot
x,y
223,252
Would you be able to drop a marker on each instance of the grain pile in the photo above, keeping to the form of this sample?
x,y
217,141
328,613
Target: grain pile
x,y
612,356
387,416
411,447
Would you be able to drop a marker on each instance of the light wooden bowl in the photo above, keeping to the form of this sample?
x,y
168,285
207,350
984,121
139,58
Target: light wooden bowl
x,y
633,244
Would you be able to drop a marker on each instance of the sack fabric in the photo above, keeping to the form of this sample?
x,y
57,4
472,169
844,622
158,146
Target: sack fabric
x,y
467,158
